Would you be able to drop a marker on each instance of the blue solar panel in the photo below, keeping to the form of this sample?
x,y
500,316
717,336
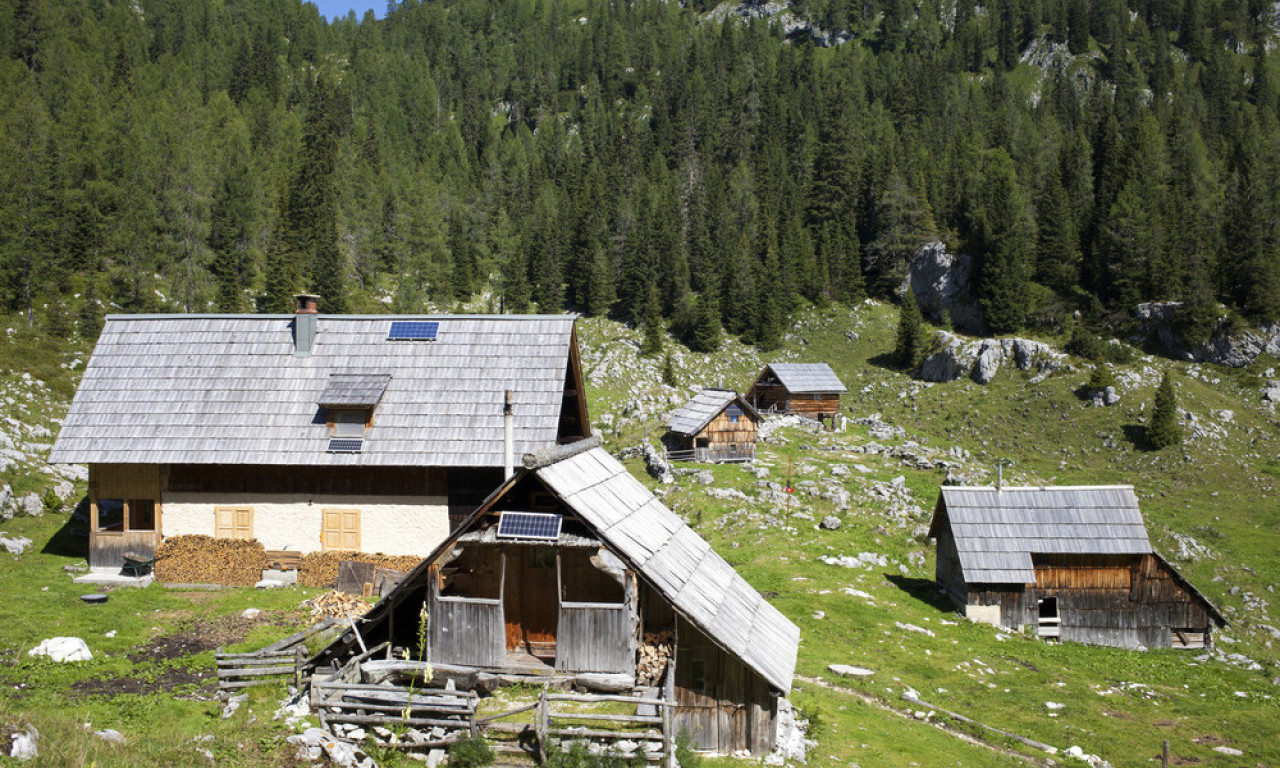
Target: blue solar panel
x,y
345,445
529,525
413,330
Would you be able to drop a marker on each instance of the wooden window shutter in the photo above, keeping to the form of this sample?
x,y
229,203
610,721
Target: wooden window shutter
x,y
233,522
340,530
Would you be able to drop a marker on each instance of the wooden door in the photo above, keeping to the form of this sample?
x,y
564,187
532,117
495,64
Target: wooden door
x,y
340,530
233,522
531,600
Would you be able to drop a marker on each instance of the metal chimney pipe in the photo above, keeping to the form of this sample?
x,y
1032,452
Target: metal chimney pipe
x,y
508,438
999,475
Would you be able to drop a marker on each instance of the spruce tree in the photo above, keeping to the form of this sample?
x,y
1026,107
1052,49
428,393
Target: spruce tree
x,y
1164,429
652,343
909,347
705,334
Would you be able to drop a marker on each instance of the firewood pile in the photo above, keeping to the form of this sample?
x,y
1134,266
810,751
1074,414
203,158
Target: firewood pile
x,y
336,605
206,560
320,569
655,652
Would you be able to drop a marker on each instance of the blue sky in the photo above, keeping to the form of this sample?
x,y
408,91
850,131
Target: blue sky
x,y
338,8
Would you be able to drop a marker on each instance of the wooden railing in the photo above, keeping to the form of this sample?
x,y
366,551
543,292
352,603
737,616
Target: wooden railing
x,y
468,632
653,733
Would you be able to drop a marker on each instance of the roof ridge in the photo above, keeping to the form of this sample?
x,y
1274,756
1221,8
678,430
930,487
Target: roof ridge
x,y
289,316
1034,487
548,456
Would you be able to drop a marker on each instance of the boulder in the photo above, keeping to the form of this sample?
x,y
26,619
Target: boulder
x,y
1104,396
657,465
62,649
31,504
110,734
848,671
6,495
830,523
941,282
1271,392
990,355
22,745
953,357
16,545
950,359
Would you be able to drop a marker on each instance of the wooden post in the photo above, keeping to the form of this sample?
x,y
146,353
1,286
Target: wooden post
x,y
299,658
542,724
1164,755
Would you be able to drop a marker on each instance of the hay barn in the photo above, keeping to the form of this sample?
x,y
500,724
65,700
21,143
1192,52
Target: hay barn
x,y
1069,563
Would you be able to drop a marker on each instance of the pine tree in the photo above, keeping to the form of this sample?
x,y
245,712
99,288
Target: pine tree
x,y
90,315
909,347
1004,229
651,346
1164,429
705,334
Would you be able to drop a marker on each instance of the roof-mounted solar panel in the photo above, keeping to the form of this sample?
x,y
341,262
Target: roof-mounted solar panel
x,y
529,525
413,330
345,445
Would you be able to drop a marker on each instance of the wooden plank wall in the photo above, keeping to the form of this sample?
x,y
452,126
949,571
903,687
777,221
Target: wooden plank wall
x,y
722,431
467,632
806,405
733,709
947,570
122,481
367,481
595,638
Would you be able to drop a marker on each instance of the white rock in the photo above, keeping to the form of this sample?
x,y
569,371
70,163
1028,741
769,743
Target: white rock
x,y
31,505
110,734
251,613
23,745
848,671
15,545
62,649
1228,751
914,628
1053,705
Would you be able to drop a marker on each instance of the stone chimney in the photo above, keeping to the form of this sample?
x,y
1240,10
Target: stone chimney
x,y
304,325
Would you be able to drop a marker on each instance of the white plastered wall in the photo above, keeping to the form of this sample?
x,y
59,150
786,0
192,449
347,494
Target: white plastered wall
x,y
392,525
983,614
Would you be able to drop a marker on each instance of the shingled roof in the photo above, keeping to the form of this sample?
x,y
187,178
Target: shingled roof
x,y
228,389
653,541
808,378
690,418
997,531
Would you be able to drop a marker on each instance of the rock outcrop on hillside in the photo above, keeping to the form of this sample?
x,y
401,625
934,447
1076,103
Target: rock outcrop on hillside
x,y
941,282
953,357
1228,345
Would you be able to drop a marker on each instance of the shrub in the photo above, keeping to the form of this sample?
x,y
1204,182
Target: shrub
x,y
471,752
1102,377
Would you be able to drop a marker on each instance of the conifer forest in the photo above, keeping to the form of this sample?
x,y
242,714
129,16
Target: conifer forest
x,y
697,165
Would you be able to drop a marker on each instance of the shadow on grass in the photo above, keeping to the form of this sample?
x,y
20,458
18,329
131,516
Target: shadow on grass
x,y
72,539
885,361
1137,435
924,590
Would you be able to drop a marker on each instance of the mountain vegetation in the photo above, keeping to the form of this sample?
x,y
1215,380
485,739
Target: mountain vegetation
x,y
692,164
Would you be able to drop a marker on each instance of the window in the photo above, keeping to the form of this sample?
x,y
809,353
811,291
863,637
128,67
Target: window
x,y
110,514
142,515
348,422
340,530
233,522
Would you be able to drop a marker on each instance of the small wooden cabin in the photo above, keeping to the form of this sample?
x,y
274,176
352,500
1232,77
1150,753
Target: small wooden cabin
x,y
807,389
311,432
1069,563
716,425
565,574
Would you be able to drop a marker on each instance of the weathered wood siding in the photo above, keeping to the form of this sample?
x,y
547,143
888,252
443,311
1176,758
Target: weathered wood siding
x,y
1117,600
127,482
722,703
467,632
107,548
947,570
364,481
814,406
595,637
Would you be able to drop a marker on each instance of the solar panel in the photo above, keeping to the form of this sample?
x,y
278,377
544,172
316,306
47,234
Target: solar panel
x,y
413,330
529,525
345,445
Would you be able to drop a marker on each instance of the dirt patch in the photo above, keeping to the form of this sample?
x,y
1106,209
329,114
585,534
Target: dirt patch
x,y
1179,760
166,681
1165,723
1210,739
200,635
1117,714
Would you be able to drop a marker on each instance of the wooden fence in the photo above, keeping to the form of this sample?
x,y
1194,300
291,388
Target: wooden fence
x,y
281,661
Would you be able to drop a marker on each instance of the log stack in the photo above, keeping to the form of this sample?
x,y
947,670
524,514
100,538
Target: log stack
x,y
655,652
337,605
320,569
206,560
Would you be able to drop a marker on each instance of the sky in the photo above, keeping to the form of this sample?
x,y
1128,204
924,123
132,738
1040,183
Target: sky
x,y
331,9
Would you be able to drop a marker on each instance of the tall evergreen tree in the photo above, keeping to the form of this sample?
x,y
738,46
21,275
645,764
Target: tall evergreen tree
x,y
908,349
1164,430
1004,230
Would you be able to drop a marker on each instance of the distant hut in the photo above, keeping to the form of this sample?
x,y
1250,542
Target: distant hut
x,y
1073,563
716,425
807,389
565,576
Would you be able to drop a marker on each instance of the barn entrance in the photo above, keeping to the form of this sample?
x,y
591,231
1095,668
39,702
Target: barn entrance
x,y
1050,622
531,603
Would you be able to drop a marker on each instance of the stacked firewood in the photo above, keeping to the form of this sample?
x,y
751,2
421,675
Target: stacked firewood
x,y
320,569
335,605
655,652
206,560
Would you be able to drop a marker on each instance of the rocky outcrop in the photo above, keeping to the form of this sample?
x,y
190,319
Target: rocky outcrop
x,y
941,282
1228,345
954,356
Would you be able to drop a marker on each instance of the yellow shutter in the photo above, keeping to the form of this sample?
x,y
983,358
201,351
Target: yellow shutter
x,y
340,530
233,522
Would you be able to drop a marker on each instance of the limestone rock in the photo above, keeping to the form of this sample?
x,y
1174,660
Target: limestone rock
x,y
990,355
110,734
830,523
6,494
848,671
16,545
62,649
941,282
22,745
31,504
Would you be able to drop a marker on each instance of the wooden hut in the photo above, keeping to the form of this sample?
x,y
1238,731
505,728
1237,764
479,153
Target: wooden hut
x,y
1071,563
572,573
807,389
716,425
309,431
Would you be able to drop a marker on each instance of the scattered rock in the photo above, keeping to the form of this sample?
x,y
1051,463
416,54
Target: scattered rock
x,y
31,505
657,465
1053,705
233,704
62,649
848,671
830,523
704,477
1228,751
251,613
15,545
22,745
6,495
110,734
914,628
